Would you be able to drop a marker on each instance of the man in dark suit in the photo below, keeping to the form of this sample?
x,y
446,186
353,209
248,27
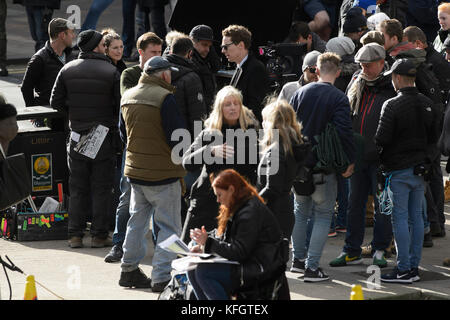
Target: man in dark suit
x,y
251,76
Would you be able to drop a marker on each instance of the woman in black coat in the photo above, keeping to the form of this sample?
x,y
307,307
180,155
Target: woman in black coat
x,y
212,152
114,48
247,233
282,154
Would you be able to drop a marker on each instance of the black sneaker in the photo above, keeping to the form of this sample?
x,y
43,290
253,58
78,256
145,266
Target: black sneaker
x,y
3,71
427,240
397,276
315,276
135,278
115,254
298,266
414,273
159,287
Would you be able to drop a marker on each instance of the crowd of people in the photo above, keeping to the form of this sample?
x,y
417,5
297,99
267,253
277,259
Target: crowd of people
x,y
365,118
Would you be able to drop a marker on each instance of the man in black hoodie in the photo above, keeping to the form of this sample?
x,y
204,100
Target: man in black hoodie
x,y
189,93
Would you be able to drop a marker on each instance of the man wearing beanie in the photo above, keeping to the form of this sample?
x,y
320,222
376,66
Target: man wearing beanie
x,y
88,90
344,47
367,92
8,124
355,25
309,75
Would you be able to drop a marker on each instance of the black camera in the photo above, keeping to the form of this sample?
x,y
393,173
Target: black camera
x,y
283,62
422,170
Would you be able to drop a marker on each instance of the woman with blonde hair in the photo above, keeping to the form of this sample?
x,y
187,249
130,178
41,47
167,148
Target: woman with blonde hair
x,y
229,140
283,151
114,48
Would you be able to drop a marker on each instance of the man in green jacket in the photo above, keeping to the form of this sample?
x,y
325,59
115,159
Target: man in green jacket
x,y
151,115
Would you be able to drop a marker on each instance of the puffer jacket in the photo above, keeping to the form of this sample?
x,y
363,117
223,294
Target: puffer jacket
x,y
251,238
365,123
406,128
189,90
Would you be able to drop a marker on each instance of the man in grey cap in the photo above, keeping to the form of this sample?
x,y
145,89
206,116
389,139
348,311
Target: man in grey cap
x,y
309,75
45,64
367,92
151,116
408,126
88,90
206,60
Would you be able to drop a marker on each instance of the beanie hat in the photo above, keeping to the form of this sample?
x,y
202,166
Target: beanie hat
x,y
310,59
7,110
88,40
342,46
355,21
376,19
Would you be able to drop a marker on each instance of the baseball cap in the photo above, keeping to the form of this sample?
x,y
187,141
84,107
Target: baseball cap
x,y
202,32
158,63
404,67
58,25
370,52
355,21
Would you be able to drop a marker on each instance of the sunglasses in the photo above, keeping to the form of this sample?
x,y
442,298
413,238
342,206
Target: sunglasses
x,y
225,46
312,69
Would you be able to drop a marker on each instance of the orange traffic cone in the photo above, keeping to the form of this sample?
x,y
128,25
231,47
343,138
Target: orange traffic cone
x,y
357,293
30,289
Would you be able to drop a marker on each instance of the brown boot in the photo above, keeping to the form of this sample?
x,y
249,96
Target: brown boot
x,y
370,208
76,242
447,190
101,242
446,262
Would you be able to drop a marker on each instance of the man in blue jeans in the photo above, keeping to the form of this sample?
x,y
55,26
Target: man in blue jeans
x,y
151,115
317,105
408,126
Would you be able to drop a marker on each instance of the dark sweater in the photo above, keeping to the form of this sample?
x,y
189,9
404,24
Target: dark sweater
x,y
318,104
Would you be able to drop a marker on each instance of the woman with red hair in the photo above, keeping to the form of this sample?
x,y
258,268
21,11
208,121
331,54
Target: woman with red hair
x,y
247,232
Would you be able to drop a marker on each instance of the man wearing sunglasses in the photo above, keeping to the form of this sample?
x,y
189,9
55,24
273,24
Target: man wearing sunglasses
x,y
309,75
251,76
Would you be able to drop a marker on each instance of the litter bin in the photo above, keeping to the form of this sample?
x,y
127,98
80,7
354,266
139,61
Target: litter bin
x,y
45,151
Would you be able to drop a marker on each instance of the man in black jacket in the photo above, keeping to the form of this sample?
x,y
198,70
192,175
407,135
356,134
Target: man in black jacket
x,y
251,76
407,127
206,60
88,89
45,64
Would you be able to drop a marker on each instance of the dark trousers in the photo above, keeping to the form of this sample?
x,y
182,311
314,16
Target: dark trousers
x,y
434,194
2,33
362,184
38,20
128,15
90,185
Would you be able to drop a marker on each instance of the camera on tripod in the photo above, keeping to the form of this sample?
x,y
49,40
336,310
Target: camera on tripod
x,y
283,62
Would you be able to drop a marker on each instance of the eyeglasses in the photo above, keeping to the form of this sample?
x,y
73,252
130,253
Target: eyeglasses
x,y
312,69
225,46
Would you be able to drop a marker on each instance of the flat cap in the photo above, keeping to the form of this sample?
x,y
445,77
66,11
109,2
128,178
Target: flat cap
x,y
58,25
404,67
370,52
158,63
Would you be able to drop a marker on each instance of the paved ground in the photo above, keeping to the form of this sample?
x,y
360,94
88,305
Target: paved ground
x,y
81,273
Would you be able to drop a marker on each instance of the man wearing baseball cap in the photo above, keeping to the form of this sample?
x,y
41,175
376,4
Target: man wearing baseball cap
x,y
151,116
407,127
45,64
309,75
367,91
207,62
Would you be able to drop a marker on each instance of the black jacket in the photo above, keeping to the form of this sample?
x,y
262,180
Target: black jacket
x,y
441,69
206,68
406,129
88,89
348,68
366,121
275,186
189,93
254,85
251,238
203,206
40,76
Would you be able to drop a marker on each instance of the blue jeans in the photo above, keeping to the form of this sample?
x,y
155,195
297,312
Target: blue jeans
x,y
363,183
96,9
128,10
342,200
407,219
38,20
123,209
211,281
159,202
320,205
